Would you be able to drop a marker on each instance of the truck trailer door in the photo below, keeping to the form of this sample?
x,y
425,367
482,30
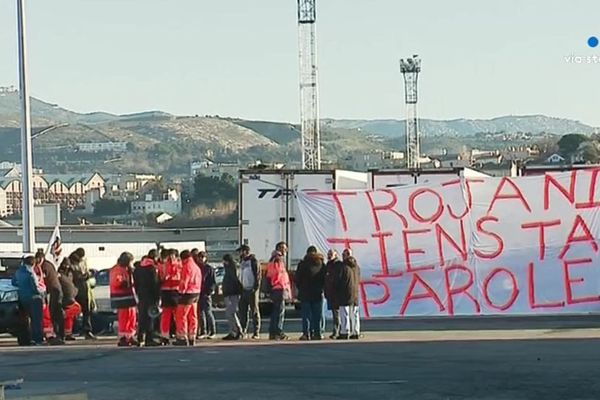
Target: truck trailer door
x,y
303,181
263,204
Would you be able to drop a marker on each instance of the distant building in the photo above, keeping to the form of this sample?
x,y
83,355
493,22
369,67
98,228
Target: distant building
x,y
10,173
3,204
213,170
158,203
10,169
481,159
507,168
363,161
99,147
521,153
360,161
393,155
91,197
11,188
127,187
67,190
452,161
9,165
537,169
555,159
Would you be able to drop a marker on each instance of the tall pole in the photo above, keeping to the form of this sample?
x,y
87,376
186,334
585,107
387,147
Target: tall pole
x,y
410,69
26,153
309,91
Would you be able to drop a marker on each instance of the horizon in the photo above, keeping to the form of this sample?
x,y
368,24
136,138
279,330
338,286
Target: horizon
x,y
480,61
322,118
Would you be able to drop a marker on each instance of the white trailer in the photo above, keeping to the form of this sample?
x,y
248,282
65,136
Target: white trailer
x,y
268,208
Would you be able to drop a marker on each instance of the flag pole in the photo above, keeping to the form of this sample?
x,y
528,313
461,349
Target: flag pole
x,y
26,147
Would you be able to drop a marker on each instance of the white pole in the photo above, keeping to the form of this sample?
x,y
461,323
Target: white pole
x,y
26,153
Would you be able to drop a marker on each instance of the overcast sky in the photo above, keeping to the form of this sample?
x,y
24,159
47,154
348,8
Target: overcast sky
x,y
239,58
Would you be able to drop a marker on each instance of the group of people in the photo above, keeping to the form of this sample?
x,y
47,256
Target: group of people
x,y
179,284
316,279
242,284
168,294
51,299
338,280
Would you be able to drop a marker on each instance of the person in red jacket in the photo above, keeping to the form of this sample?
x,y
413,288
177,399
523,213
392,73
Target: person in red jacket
x,y
190,286
169,273
123,299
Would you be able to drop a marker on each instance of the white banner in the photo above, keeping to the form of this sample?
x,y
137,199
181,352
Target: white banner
x,y
476,246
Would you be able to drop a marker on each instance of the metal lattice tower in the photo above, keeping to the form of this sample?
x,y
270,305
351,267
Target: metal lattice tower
x,y
309,91
410,69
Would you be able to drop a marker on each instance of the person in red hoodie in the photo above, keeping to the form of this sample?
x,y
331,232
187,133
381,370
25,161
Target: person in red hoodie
x,y
190,286
169,272
123,299
279,280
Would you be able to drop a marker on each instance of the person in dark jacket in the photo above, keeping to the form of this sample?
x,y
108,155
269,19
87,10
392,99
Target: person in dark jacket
x,y
55,327
208,326
331,276
250,277
310,281
30,299
71,307
81,277
347,288
232,290
147,287
65,277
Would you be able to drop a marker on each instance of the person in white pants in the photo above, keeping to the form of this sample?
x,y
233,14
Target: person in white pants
x,y
347,291
350,322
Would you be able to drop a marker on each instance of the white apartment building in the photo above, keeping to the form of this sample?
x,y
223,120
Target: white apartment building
x,y
168,202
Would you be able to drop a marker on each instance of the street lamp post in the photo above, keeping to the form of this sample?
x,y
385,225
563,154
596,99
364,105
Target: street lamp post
x,y
26,153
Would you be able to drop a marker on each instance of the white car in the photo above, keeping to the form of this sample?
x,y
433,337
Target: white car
x,y
101,291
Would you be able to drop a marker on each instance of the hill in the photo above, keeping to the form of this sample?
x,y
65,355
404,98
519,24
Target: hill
x,y
534,124
164,143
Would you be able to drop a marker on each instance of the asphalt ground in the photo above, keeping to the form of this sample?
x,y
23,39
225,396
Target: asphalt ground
x,y
293,325
484,358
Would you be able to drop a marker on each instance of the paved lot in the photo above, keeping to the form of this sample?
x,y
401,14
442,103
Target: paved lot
x,y
534,363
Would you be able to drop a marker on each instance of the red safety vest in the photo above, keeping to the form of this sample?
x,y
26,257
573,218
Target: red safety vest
x,y
170,275
122,293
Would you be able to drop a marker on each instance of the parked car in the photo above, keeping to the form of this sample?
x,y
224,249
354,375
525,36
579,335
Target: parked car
x,y
104,316
10,321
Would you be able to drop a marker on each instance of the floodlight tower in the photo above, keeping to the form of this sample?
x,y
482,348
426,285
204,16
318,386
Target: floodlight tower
x,y
410,69
309,91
